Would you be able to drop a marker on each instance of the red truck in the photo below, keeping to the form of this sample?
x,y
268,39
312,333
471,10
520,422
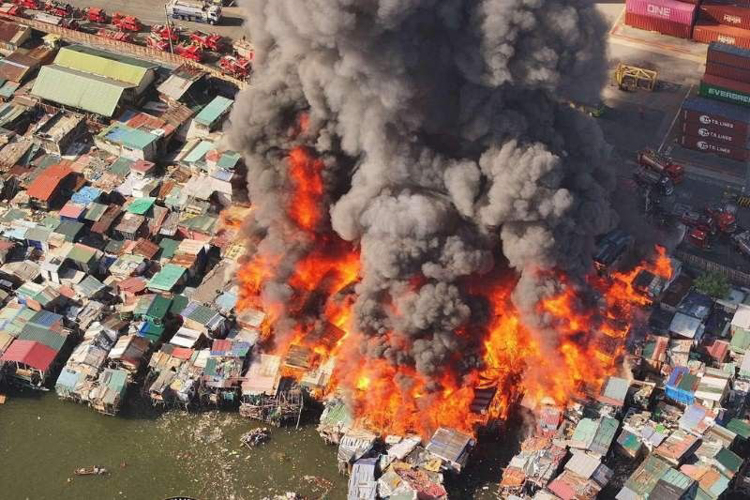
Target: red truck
x,y
238,67
192,52
662,164
723,216
126,23
58,9
96,15
207,41
165,32
29,4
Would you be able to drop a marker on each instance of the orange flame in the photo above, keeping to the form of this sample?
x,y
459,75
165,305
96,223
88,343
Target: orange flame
x,y
305,173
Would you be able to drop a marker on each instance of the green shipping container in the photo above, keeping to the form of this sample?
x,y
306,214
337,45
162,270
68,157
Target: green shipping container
x,y
721,94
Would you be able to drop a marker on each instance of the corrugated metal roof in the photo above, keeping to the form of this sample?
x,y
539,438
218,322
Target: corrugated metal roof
x,y
95,212
106,64
43,335
127,136
30,353
69,229
167,278
46,183
214,110
78,90
141,205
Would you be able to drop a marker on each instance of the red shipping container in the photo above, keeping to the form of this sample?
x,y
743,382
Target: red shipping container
x,y
727,83
665,10
728,72
718,123
658,25
730,14
707,32
729,55
697,129
705,146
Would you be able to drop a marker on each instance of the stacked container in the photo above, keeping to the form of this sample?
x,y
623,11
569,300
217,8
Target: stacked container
x,y
723,21
668,17
715,127
727,75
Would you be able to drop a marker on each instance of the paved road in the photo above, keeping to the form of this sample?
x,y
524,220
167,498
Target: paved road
x,y
152,12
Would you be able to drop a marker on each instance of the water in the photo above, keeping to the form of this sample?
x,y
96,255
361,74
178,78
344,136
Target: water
x,y
152,455
43,440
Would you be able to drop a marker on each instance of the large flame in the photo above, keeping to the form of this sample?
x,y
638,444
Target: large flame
x,y
390,398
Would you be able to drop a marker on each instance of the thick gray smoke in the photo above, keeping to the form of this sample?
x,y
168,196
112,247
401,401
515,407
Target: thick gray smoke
x,y
448,145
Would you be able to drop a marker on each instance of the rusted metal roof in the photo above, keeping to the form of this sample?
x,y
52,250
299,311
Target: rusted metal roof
x,y
47,182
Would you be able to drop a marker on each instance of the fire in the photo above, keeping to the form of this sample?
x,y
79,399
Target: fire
x,y
305,174
576,344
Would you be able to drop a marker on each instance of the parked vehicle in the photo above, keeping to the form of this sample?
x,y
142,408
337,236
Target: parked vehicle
x,y
207,41
189,10
126,23
120,36
724,217
96,15
192,52
742,242
647,177
165,32
662,164
238,67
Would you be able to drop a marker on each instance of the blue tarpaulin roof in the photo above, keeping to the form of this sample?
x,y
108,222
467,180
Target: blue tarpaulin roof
x,y
86,195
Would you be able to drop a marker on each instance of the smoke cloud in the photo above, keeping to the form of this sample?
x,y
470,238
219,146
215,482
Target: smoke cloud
x,y
448,149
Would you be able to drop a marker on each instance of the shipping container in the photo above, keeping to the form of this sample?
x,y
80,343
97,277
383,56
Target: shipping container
x,y
729,14
665,10
728,54
659,25
707,32
728,72
705,146
697,129
723,89
691,122
723,116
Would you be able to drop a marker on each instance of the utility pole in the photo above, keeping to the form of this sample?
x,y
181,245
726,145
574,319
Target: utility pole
x,y
170,29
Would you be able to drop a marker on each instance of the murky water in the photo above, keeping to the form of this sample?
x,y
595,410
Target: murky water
x,y
152,456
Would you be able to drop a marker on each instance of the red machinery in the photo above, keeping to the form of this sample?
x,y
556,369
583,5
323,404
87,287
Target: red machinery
x,y
238,67
192,52
661,164
12,10
207,41
29,4
698,237
126,23
120,36
96,15
58,9
165,32
154,41
726,222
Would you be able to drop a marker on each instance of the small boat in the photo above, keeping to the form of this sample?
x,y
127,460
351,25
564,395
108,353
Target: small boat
x,y
90,471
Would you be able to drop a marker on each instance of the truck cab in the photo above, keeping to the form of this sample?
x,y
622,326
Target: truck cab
x,y
647,177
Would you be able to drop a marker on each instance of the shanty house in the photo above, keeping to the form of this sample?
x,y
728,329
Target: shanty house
x,y
51,187
210,117
362,483
167,278
12,36
452,446
128,354
29,362
122,140
109,391
56,132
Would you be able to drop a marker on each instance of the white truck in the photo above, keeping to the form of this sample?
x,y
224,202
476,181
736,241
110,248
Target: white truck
x,y
192,10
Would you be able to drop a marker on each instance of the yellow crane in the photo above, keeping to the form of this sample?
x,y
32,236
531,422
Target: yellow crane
x,y
633,78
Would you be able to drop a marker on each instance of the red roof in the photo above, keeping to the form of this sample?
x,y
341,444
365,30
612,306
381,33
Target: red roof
x,y
72,210
30,352
45,185
182,353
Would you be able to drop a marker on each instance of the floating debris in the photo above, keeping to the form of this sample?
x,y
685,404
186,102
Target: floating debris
x,y
255,437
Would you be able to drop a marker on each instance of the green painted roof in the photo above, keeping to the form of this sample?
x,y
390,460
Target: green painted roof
x,y
51,222
69,229
179,302
729,459
167,278
78,90
677,479
107,64
81,253
158,307
95,211
42,335
214,110
740,341
642,481
203,223
739,427
130,137
121,166
168,248
140,206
